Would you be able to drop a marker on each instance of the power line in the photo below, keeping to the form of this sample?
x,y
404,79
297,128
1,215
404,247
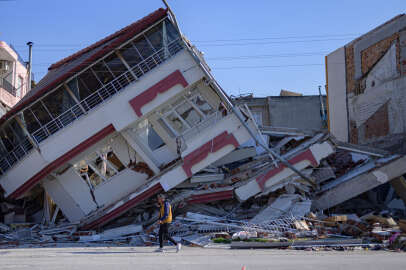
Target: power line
x,y
241,57
273,38
329,37
267,43
235,67
273,66
264,56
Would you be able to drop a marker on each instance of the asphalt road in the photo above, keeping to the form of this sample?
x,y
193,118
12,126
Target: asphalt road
x,y
100,258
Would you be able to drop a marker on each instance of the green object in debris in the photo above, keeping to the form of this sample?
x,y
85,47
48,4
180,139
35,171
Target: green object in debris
x,y
221,240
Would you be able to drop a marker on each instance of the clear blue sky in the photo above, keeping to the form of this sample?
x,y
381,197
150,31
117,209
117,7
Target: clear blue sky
x,y
252,46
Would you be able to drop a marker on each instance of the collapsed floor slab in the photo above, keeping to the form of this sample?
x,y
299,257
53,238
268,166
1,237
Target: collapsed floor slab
x,y
361,183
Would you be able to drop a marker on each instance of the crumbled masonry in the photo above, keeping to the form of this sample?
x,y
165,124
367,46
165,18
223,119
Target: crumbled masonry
x,y
279,211
85,153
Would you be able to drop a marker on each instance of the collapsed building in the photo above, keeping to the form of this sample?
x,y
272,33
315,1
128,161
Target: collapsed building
x,y
139,113
132,115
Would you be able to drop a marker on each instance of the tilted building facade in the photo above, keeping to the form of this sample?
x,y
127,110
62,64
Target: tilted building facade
x,y
134,114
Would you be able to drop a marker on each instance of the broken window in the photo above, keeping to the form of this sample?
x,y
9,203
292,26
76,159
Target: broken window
x,y
115,65
148,135
176,123
171,32
131,55
40,113
103,73
185,113
84,85
8,139
30,121
144,47
58,103
99,166
202,104
155,36
12,138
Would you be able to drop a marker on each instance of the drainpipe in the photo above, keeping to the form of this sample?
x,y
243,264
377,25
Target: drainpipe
x,y
29,65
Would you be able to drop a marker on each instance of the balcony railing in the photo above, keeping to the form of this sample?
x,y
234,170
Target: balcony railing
x,y
6,85
12,157
101,95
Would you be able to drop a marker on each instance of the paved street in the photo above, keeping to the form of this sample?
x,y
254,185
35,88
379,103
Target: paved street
x,y
100,258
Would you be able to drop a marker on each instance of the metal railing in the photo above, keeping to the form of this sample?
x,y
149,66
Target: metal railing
x,y
12,157
58,123
6,85
99,96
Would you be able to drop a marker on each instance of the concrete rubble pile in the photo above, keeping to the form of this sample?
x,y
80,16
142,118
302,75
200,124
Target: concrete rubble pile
x,y
250,199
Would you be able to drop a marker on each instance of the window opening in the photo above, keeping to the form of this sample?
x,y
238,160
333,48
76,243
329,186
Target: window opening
x,y
99,166
185,113
149,136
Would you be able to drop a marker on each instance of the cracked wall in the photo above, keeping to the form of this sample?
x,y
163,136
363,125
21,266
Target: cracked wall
x,y
375,81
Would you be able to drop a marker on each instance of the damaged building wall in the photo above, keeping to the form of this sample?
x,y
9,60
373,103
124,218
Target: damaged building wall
x,y
336,95
259,108
302,112
85,128
374,87
287,111
146,116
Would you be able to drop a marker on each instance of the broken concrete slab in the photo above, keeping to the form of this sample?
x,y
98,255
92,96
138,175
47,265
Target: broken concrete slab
x,y
237,155
112,233
287,205
197,239
205,178
310,157
361,183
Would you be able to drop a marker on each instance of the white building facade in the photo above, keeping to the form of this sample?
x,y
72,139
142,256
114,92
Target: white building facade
x,y
135,114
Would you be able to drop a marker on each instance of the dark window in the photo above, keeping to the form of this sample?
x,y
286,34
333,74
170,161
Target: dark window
x,y
41,113
7,142
9,139
30,122
115,65
84,85
58,102
88,84
155,37
102,72
131,55
17,130
171,32
3,151
154,140
143,47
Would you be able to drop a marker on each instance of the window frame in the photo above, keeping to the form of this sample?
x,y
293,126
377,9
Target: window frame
x,y
172,109
89,162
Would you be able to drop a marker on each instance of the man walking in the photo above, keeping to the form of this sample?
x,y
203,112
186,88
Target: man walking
x,y
165,219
